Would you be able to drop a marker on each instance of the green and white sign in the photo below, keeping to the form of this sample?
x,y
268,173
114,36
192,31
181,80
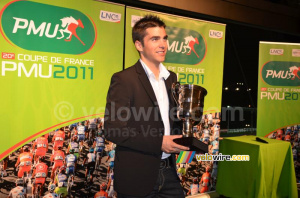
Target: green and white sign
x,y
50,33
278,103
195,52
57,58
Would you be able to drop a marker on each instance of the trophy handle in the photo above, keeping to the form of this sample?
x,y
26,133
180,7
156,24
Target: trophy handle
x,y
174,89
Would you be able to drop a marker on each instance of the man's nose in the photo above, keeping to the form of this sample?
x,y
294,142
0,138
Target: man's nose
x,y
163,44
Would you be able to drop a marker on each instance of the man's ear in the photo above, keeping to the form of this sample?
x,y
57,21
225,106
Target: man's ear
x,y
138,46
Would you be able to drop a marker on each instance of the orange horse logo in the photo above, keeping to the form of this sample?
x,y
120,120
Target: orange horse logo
x,y
190,41
70,24
294,72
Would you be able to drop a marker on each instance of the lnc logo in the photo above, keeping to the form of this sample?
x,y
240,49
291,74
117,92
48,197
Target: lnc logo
x,y
185,46
276,51
281,73
40,27
110,16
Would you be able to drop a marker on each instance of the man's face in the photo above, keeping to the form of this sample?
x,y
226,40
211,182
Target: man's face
x,y
155,46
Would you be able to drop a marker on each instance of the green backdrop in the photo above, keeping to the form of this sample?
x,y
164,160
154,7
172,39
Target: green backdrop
x,y
48,79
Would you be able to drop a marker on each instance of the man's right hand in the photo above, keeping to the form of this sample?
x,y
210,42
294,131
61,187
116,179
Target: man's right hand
x,y
169,146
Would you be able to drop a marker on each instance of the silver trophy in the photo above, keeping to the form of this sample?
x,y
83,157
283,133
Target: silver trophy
x,y
190,102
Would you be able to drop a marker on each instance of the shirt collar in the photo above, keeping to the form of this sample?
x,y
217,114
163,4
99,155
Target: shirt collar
x,y
163,72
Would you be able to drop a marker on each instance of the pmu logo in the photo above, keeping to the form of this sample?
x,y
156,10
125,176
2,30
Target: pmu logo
x,y
41,27
185,46
281,73
67,30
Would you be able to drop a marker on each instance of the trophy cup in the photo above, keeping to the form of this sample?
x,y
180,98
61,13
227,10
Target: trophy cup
x,y
189,99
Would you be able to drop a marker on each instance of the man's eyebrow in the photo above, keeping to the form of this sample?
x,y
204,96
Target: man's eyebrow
x,y
155,37
158,37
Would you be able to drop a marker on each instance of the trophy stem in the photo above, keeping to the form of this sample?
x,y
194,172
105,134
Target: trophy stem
x,y
187,130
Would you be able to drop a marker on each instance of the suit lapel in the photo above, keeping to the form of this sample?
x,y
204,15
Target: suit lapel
x,y
149,90
168,84
145,82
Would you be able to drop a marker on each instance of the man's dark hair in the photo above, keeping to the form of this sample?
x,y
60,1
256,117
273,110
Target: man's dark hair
x,y
139,29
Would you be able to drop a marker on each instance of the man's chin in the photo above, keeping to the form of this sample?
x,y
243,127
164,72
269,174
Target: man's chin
x,y
162,59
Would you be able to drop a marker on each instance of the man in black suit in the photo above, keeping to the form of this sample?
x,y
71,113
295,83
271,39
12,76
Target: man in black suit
x,y
140,119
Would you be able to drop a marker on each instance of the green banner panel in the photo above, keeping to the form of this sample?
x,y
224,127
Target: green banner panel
x,y
278,106
57,58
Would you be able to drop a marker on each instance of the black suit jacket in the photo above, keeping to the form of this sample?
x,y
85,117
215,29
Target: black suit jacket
x,y
133,122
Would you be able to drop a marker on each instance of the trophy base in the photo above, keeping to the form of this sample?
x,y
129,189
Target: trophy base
x,y
193,143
